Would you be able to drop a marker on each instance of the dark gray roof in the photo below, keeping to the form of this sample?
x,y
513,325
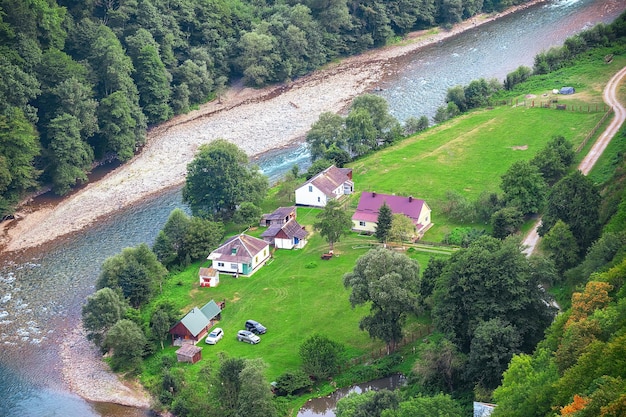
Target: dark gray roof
x,y
290,230
238,249
280,213
328,180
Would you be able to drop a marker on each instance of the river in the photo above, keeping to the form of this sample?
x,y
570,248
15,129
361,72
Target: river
x,y
41,292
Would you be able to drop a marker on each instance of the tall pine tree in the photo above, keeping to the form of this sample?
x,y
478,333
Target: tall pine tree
x,y
383,224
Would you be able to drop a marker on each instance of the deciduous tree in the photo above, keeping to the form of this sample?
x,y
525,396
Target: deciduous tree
x,y
127,342
524,187
389,282
103,309
333,222
320,356
219,178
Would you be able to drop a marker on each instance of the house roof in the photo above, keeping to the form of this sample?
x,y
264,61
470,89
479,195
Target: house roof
x,y
328,180
238,249
290,230
370,203
280,213
208,272
210,310
197,319
188,350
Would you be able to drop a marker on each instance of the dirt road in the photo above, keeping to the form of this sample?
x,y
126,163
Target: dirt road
x,y
610,97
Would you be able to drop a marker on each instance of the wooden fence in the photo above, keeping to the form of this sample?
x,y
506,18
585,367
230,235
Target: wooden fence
x,y
554,104
594,130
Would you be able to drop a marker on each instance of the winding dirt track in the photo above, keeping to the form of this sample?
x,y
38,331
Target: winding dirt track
x,y
610,97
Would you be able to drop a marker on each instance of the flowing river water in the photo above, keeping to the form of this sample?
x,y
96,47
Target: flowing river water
x,y
42,290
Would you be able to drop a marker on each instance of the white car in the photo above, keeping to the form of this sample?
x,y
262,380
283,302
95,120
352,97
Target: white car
x,y
215,336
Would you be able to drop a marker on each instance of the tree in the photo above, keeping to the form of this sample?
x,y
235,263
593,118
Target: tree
x,y
117,125
527,386
219,178
361,133
127,342
575,200
378,110
202,237
506,221
490,279
70,157
255,396
293,382
383,223
18,148
561,244
228,385
169,244
247,214
103,309
413,125
554,159
524,187
316,167
494,343
433,269
333,222
440,405
164,316
321,357
402,228
367,404
440,367
388,282
324,133
136,271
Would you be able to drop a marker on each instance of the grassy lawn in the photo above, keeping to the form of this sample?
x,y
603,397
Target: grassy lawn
x,y
297,294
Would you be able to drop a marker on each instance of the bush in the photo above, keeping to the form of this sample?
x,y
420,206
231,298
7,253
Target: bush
x,y
291,383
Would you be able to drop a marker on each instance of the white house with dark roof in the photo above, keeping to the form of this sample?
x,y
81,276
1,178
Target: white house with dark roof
x,y
240,255
331,183
286,236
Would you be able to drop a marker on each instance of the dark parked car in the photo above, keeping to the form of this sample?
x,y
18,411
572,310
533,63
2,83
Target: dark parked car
x,y
255,327
248,336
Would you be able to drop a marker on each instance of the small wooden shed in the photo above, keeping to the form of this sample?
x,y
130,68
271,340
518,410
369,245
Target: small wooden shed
x,y
209,277
189,353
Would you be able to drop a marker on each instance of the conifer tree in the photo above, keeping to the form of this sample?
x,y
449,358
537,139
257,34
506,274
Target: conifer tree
x,y
383,224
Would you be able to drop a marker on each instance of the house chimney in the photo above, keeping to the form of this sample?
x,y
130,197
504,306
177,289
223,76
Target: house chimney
x,y
410,198
374,194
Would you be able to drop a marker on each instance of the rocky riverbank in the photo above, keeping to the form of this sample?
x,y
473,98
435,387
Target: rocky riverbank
x,y
255,119
86,374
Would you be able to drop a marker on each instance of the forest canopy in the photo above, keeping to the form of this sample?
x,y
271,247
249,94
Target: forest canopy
x,y
80,82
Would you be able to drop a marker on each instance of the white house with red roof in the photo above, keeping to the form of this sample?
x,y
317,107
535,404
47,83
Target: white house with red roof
x,y
331,183
240,255
366,215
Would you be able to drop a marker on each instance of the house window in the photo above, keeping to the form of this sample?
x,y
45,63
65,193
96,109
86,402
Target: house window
x,y
310,188
256,259
220,264
426,219
233,266
362,224
319,199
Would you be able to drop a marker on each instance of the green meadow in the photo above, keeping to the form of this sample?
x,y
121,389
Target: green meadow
x,y
297,294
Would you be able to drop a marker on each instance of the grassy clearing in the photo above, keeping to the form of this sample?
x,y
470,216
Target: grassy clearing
x,y
297,294
468,155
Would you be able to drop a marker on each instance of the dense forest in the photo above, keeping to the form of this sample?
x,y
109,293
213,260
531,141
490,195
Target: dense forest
x,y
81,82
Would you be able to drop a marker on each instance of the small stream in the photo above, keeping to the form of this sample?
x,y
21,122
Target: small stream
x,y
325,406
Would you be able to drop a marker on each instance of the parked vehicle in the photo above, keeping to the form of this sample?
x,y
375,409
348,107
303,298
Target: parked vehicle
x,y
248,336
215,336
255,327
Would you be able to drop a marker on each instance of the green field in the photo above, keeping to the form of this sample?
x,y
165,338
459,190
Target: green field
x,y
297,294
